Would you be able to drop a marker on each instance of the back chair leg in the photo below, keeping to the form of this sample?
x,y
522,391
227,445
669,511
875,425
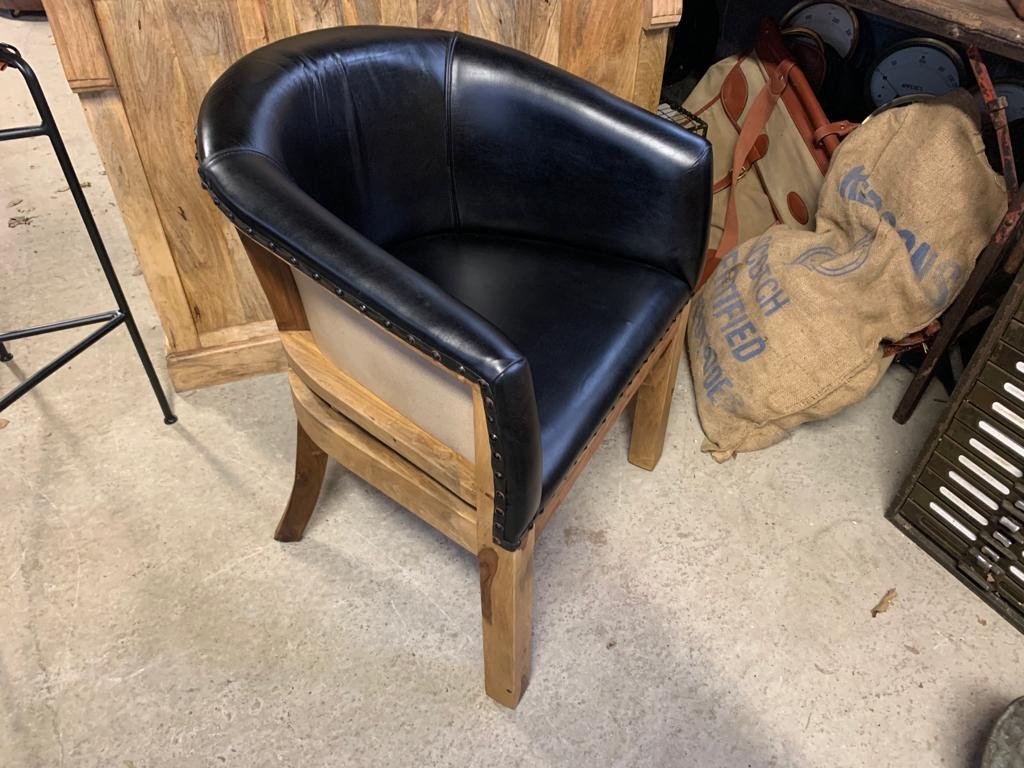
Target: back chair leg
x,y
506,601
653,403
310,466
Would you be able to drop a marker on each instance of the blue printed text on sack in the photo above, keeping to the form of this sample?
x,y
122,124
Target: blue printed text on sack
x,y
712,378
739,332
856,186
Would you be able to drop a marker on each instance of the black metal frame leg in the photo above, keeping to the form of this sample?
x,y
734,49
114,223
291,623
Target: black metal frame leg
x,y
11,57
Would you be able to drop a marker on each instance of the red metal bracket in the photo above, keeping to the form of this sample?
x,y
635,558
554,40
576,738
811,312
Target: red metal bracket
x,y
997,111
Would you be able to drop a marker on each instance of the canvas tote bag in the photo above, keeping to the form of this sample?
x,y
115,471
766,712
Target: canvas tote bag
x,y
790,327
772,143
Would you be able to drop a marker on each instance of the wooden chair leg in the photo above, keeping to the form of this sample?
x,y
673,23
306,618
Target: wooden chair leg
x,y
506,601
653,403
310,465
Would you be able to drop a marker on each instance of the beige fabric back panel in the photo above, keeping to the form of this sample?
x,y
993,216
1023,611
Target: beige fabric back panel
x,y
416,388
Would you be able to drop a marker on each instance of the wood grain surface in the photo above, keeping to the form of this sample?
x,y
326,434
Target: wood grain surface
x,y
368,458
377,417
156,59
80,45
991,24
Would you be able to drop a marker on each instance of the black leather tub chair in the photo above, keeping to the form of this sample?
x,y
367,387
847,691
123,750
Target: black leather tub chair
x,y
476,261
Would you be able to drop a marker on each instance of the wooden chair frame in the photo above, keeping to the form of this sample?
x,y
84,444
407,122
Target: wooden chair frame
x,y
340,418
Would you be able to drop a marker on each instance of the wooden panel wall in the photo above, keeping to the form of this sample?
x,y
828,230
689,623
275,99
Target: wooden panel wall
x,y
153,61
80,44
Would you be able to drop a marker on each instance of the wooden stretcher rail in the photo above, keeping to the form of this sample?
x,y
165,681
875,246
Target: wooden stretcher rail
x,y
380,466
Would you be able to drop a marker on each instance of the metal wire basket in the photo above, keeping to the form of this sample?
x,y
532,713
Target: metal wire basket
x,y
681,117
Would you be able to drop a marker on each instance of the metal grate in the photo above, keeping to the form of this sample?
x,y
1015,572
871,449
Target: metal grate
x,y
681,117
964,501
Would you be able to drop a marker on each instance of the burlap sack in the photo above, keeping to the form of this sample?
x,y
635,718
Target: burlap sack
x,y
789,329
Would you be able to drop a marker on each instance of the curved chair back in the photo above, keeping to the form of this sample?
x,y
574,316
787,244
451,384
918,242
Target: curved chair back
x,y
403,132
332,146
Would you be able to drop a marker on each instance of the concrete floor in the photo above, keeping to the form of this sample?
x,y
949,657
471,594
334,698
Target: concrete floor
x,y
702,615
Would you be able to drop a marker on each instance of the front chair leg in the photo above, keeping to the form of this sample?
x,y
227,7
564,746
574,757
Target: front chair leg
x,y
310,465
506,601
653,403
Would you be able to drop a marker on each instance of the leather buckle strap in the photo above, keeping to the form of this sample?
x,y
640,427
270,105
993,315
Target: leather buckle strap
x,y
841,129
779,80
921,339
757,120
1000,104
997,111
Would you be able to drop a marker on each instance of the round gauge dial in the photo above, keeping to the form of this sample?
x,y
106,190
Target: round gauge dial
x,y
902,101
836,23
915,67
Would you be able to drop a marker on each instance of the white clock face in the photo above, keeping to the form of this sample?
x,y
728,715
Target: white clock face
x,y
836,25
913,71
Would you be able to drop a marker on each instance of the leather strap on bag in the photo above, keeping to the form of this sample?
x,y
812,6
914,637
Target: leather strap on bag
x,y
840,130
786,83
799,100
757,120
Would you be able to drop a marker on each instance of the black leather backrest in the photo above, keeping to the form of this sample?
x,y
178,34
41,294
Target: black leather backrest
x,y
354,116
405,132
541,153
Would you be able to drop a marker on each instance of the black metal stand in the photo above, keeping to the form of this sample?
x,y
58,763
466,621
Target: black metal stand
x,y
108,321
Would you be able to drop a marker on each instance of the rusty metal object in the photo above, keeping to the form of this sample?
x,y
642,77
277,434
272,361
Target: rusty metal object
x,y
997,111
922,338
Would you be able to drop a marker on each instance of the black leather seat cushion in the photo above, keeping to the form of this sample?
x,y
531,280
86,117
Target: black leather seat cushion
x,y
584,321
